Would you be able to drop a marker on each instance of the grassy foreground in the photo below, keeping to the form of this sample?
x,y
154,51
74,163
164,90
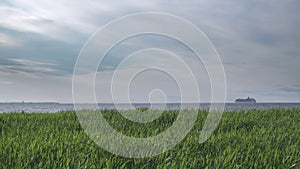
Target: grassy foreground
x,y
244,139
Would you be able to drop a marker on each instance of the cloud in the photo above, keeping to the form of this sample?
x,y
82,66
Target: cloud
x,y
24,21
258,41
63,19
274,94
5,83
25,67
9,41
293,89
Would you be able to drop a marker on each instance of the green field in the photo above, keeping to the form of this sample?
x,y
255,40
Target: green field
x,y
244,139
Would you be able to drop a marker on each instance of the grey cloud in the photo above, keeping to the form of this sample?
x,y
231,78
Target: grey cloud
x,y
127,47
5,82
258,41
294,89
42,49
25,67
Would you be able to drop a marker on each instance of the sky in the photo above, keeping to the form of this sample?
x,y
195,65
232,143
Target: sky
x,y
258,42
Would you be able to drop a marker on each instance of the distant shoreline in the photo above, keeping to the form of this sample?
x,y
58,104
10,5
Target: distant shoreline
x,y
54,107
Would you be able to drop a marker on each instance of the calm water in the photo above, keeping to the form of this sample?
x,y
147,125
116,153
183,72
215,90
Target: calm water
x,y
56,107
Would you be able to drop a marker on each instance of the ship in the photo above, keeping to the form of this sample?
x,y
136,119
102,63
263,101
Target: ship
x,y
247,100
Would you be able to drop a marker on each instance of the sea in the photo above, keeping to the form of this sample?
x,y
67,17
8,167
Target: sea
x,y
58,107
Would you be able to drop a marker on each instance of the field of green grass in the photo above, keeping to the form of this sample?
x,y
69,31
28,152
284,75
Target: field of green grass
x,y
244,139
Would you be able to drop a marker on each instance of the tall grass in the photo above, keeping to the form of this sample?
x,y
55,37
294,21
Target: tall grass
x,y
244,139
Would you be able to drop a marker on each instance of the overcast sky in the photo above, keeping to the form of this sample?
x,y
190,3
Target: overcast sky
x,y
258,42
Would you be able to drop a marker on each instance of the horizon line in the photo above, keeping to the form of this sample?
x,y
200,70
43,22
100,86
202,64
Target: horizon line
x,y
55,102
